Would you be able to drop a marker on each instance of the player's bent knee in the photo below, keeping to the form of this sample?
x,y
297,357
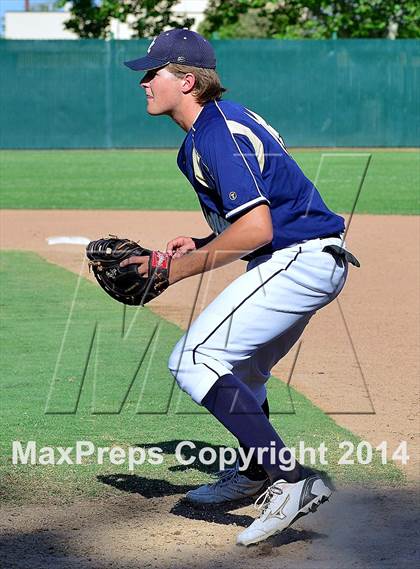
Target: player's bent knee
x,y
194,371
174,361
181,364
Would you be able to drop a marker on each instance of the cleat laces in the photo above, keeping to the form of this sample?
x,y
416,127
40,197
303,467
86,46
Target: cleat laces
x,y
225,476
263,501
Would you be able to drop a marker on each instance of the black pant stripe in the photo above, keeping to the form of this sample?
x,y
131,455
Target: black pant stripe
x,y
240,304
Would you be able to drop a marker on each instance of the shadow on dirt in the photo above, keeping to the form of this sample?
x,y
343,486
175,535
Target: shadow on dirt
x,y
146,487
359,528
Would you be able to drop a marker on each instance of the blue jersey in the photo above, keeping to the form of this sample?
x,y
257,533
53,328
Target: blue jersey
x,y
236,161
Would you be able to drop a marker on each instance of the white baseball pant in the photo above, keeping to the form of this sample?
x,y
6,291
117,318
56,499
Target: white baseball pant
x,y
256,320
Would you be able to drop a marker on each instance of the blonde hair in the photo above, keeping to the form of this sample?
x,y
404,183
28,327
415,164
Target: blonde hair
x,y
207,82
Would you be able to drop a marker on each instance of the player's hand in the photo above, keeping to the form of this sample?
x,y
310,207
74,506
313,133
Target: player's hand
x,y
142,262
180,246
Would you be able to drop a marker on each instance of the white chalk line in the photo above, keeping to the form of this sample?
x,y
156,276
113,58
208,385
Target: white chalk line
x,y
67,240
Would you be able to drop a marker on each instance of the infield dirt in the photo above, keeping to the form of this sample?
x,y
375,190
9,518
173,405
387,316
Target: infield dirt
x,y
358,529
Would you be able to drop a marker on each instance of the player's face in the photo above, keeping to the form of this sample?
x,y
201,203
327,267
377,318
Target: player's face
x,y
163,92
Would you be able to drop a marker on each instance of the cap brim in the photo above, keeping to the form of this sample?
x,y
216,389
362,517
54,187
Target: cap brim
x,y
145,63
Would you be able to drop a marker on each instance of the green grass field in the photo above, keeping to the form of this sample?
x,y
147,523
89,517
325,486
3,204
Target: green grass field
x,y
135,179
85,395
114,390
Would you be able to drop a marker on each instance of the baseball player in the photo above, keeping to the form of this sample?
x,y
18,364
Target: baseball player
x,y
261,208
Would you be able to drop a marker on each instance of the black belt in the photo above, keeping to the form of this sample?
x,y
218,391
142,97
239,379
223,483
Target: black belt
x,y
337,235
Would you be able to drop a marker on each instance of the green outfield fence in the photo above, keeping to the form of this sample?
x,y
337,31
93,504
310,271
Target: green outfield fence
x,y
77,94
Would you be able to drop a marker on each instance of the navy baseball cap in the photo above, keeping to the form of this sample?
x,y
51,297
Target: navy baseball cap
x,y
176,46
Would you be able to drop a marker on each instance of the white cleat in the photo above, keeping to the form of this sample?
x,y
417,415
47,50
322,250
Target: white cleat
x,y
231,485
282,504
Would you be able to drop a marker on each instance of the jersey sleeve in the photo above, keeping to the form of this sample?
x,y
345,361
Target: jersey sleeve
x,y
232,160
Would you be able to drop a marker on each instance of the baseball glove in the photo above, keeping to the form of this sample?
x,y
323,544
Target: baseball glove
x,y
124,283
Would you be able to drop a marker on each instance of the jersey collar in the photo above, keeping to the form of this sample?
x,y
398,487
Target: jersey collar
x,y
201,116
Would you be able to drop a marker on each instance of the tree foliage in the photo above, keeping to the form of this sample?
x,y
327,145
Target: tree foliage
x,y
312,19
147,18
